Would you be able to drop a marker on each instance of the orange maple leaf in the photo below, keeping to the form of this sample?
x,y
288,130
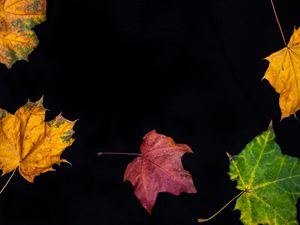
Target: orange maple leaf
x,y
29,143
17,18
283,74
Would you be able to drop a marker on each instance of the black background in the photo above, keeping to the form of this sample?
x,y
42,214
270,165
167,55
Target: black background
x,y
189,69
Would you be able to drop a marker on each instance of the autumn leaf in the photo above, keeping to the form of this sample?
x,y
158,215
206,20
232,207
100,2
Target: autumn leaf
x,y
29,143
283,74
17,18
159,169
270,181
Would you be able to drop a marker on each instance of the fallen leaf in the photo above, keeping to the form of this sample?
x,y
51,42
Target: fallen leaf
x,y
270,181
283,74
29,143
159,169
17,18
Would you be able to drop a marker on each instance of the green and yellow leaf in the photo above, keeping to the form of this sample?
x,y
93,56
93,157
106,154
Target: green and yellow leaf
x,y
270,181
17,18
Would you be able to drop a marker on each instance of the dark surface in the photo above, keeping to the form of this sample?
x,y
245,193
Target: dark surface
x,y
189,69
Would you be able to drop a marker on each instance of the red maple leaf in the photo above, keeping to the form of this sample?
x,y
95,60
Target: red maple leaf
x,y
159,169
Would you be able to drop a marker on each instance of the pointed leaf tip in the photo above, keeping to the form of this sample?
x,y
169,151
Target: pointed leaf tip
x,y
270,126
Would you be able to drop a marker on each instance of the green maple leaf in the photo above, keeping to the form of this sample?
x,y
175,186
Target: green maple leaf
x,y
270,181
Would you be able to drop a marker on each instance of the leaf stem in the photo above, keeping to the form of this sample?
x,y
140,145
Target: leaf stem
x,y
278,22
200,220
118,153
7,182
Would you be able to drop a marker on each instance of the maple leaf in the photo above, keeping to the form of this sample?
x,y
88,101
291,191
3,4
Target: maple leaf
x,y
270,181
17,18
30,144
159,169
283,74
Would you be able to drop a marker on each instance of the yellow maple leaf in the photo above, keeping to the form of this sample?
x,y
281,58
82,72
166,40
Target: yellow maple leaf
x,y
283,74
29,143
17,18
